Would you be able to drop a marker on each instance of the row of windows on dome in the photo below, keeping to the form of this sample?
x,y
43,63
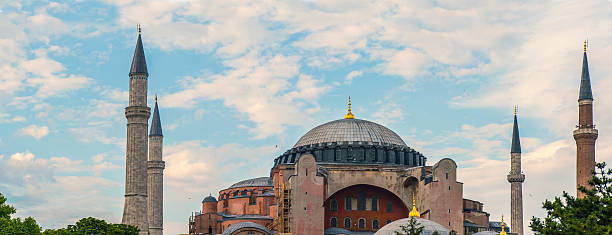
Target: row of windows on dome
x,y
362,204
365,154
361,224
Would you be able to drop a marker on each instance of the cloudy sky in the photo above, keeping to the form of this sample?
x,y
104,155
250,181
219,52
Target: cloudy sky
x,y
240,81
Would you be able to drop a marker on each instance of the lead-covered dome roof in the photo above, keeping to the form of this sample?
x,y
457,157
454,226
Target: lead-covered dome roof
x,y
350,130
353,141
255,182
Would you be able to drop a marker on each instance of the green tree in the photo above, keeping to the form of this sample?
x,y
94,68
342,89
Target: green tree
x,y
413,228
15,226
92,225
589,215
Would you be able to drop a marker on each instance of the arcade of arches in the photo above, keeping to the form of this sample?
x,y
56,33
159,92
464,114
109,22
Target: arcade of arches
x,y
363,208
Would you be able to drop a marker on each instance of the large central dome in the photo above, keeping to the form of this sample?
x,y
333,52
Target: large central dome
x,y
350,130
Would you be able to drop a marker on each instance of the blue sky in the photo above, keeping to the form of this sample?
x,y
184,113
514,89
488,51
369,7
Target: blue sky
x,y
235,79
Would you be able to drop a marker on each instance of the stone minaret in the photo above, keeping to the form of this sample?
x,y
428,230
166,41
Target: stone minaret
x,y
516,179
156,175
586,134
137,114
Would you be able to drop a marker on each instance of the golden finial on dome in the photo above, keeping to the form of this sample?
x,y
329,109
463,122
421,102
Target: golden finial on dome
x,y
414,212
138,29
155,98
349,115
502,226
585,45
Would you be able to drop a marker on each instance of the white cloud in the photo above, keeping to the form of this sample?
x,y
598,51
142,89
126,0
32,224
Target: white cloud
x,y
26,178
35,131
351,75
258,86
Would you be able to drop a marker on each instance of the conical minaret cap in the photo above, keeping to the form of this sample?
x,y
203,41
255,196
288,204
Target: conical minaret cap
x,y
516,141
585,79
139,64
156,129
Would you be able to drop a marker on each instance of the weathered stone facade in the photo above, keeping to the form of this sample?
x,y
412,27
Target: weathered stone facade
x,y
516,179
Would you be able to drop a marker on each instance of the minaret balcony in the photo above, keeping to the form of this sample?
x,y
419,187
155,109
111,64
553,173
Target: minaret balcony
x,y
516,178
585,133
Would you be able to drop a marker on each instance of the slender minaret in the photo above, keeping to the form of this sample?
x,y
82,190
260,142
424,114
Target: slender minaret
x,y
156,175
516,179
137,114
586,134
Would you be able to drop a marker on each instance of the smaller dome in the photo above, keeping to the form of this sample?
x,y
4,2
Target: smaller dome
x,y
429,227
209,199
255,182
235,227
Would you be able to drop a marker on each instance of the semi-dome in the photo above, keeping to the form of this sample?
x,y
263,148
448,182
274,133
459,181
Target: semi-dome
x,y
255,182
350,130
429,227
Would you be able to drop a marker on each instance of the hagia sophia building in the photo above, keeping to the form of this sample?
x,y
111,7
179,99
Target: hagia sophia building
x,y
346,176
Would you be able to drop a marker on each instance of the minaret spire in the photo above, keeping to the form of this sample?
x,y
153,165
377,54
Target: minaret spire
x,y
586,134
139,63
155,173
516,141
516,179
585,79
137,114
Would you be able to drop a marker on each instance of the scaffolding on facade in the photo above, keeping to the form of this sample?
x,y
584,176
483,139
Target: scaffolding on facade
x,y
284,210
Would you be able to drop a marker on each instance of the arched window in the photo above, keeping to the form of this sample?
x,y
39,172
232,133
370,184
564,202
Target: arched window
x,y
389,207
388,221
375,224
361,201
347,203
362,223
333,205
347,223
333,222
209,229
374,203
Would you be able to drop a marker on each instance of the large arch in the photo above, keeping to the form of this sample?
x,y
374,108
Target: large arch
x,y
391,178
364,201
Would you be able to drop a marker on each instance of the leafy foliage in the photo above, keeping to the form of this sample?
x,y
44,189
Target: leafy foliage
x,y
15,226
413,228
85,226
589,215
92,225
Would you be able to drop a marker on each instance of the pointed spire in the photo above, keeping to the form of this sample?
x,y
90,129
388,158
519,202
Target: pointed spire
x,y
516,141
585,80
414,212
156,129
349,115
502,226
139,64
